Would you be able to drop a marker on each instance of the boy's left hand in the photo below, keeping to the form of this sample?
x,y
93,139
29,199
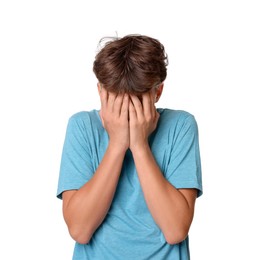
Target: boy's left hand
x,y
143,119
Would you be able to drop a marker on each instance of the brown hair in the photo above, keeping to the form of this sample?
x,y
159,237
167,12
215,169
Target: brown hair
x,y
133,64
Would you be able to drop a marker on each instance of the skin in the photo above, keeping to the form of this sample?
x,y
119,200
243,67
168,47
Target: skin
x,y
129,122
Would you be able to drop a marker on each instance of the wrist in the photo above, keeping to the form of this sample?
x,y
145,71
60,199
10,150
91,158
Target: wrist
x,y
117,148
140,149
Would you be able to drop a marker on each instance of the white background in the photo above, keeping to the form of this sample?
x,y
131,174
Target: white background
x,y
46,53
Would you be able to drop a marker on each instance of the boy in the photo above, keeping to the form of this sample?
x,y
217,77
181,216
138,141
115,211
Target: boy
x,y
130,173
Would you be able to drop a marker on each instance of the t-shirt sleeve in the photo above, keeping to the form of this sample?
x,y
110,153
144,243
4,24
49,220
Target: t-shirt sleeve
x,y
75,168
184,168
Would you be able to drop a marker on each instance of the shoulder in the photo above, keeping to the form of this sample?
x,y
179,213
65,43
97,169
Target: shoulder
x,y
176,118
81,116
175,124
84,117
83,120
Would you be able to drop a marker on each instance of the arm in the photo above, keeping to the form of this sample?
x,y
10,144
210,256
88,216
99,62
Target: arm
x,y
85,209
171,209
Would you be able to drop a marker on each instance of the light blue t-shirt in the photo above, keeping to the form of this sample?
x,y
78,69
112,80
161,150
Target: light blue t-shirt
x,y
129,231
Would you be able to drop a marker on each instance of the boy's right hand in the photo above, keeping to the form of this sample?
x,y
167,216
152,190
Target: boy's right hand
x,y
114,116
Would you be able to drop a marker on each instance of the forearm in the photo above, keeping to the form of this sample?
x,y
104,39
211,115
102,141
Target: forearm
x,y
89,205
169,208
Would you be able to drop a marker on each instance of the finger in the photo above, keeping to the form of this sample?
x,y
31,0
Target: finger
x,y
118,104
132,112
147,107
125,107
111,100
137,106
152,101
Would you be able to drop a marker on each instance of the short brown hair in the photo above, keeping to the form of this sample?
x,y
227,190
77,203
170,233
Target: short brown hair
x,y
132,64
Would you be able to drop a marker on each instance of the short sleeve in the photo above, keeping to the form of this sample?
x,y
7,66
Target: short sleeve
x,y
75,168
184,167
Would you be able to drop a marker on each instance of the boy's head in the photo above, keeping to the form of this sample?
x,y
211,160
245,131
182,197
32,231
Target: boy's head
x,y
134,64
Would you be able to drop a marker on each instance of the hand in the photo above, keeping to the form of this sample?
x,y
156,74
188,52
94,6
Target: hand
x,y
114,116
143,119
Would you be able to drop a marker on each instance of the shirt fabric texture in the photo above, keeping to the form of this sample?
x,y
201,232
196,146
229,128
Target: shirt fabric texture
x,y
129,231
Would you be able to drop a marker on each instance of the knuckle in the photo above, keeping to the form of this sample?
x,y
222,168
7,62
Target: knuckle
x,y
149,118
142,121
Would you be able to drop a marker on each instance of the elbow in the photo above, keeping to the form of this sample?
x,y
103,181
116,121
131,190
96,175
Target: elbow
x,y
176,236
80,235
